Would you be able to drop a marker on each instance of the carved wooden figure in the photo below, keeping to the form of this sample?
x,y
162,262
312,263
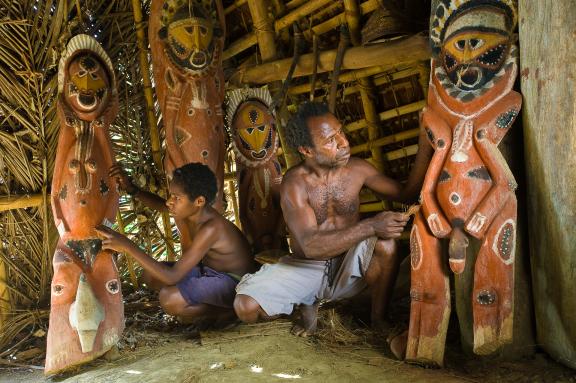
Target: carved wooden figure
x,y
254,141
186,40
87,313
468,189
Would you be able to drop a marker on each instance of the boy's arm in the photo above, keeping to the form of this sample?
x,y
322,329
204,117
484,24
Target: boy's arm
x,y
169,275
125,182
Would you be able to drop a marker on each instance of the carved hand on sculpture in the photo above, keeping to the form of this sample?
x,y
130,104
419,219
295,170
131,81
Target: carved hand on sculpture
x,y
388,224
112,240
122,178
438,224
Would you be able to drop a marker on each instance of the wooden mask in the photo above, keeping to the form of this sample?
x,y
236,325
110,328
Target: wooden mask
x,y
87,315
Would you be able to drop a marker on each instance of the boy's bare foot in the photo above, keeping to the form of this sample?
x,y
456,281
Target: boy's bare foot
x,y
306,326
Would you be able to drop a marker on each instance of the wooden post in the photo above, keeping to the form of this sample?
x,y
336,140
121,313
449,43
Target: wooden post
x,y
549,126
390,54
150,115
232,193
367,89
129,260
20,201
5,306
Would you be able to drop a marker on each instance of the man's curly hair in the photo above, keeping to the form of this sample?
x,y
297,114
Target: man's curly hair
x,y
197,180
297,131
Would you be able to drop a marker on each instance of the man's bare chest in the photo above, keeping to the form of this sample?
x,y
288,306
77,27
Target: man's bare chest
x,y
333,200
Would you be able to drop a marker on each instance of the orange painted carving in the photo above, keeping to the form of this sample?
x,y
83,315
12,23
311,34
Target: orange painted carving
x,y
469,189
87,313
255,141
186,40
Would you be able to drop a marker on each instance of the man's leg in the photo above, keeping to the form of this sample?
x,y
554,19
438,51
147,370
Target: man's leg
x,y
381,276
306,326
248,310
173,303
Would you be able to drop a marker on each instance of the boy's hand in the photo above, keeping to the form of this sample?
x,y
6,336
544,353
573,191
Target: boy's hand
x,y
123,179
112,240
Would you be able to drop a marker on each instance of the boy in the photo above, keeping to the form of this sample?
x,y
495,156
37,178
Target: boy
x,y
215,254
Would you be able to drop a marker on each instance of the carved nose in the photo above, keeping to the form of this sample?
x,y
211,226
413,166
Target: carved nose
x,y
85,315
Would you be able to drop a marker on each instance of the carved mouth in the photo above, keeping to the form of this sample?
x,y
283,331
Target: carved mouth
x,y
259,155
198,59
469,77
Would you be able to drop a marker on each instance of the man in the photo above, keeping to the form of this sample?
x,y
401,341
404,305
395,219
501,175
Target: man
x,y
215,254
320,202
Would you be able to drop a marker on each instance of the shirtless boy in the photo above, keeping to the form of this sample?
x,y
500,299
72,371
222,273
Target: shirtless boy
x,y
335,254
215,254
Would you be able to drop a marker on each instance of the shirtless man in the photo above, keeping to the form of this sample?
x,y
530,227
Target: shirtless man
x,y
335,254
215,254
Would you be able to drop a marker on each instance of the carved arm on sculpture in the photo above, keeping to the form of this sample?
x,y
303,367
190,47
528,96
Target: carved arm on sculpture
x,y
501,191
439,136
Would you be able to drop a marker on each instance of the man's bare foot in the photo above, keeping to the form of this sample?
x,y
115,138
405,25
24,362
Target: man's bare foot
x,y
306,326
398,340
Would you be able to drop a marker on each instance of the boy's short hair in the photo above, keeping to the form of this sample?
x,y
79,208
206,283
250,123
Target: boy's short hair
x,y
297,131
197,180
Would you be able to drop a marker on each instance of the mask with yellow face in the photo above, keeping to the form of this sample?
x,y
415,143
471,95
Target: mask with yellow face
x,y
88,84
253,132
188,32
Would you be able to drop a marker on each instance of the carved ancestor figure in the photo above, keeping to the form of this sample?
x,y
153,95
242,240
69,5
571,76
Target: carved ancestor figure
x,y
87,313
186,39
254,141
469,189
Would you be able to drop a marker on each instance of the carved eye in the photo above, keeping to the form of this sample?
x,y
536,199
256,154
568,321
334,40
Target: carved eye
x,y
112,286
460,45
57,290
74,166
250,130
261,128
476,43
203,31
81,73
91,166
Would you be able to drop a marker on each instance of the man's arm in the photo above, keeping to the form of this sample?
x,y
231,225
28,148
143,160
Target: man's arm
x,y
203,241
148,199
325,244
394,190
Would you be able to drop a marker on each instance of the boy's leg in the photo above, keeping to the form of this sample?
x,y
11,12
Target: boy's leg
x,y
173,303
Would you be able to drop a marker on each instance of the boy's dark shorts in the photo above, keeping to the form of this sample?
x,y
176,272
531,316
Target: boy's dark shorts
x,y
205,285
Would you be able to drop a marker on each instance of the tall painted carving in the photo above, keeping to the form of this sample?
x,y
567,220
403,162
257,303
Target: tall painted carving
x,y
469,189
186,40
87,313
254,141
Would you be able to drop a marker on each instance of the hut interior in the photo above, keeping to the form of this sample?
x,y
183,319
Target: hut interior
x,y
370,61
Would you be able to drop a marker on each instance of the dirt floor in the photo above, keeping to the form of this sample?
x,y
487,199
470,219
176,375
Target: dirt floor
x,y
157,349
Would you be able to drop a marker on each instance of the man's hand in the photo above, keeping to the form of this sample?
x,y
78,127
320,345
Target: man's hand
x,y
112,240
389,224
123,179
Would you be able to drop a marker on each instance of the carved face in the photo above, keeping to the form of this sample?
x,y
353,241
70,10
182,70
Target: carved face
x,y
188,34
86,316
88,85
254,133
472,58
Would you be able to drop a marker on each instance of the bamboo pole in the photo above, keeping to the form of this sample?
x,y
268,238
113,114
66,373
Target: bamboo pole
x,y
336,21
129,260
402,153
5,305
250,39
387,115
355,75
294,4
405,135
151,116
390,54
232,193
381,80
20,201
237,4
366,85
424,72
